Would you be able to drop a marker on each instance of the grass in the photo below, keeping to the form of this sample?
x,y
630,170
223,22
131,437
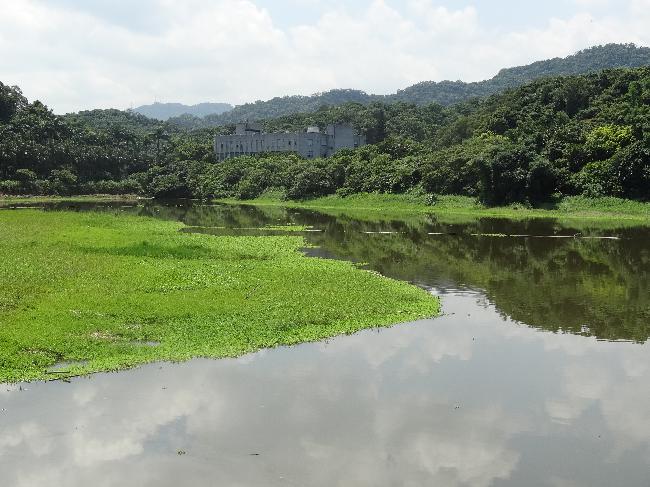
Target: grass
x,y
102,292
97,198
409,204
616,206
360,202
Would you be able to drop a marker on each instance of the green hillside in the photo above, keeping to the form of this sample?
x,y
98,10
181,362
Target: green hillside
x,y
586,135
444,92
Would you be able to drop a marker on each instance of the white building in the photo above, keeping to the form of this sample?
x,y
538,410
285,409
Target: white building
x,y
249,139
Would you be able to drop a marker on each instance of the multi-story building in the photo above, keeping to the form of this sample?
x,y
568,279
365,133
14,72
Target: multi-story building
x,y
249,139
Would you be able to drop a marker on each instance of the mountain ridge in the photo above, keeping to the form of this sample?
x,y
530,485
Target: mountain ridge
x,y
445,93
165,111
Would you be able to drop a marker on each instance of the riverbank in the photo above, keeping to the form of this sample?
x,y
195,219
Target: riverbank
x,y
402,205
94,198
98,292
399,205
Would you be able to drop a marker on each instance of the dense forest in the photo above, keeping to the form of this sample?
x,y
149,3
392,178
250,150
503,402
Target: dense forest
x,y
444,92
580,135
97,151
587,135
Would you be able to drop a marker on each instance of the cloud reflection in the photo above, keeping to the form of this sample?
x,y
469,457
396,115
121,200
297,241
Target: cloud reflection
x,y
453,401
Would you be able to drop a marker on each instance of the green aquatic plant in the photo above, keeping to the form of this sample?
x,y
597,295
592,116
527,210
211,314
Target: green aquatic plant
x,y
370,205
89,289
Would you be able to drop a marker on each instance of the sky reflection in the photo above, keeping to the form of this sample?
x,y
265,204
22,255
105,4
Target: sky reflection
x,y
470,399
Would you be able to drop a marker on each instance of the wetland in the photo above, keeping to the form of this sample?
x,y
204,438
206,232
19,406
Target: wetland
x,y
535,374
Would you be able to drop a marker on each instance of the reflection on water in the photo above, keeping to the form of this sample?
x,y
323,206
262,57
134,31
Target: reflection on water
x,y
579,285
465,400
483,396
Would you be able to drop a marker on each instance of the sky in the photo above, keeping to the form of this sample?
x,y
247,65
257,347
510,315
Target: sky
x,y
75,55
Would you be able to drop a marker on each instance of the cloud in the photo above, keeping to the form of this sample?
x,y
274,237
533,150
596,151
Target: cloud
x,y
593,3
103,54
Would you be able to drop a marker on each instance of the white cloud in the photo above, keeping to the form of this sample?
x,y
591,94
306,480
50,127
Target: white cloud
x,y
74,57
593,3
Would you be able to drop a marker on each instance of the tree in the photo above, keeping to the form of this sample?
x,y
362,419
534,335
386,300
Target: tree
x,y
11,101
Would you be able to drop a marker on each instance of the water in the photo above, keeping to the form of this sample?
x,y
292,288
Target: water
x,y
538,374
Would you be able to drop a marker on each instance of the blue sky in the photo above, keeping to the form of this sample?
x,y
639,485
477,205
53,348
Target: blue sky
x,y
75,54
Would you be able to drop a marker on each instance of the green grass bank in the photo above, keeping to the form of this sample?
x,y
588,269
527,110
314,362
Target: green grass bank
x,y
400,205
95,198
404,204
104,292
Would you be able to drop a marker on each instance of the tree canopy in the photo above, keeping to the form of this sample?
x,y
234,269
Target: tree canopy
x,y
575,135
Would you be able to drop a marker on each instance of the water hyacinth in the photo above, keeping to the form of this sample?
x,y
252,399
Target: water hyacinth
x,y
89,289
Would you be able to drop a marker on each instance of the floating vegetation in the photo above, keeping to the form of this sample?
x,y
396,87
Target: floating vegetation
x,y
88,292
269,228
577,236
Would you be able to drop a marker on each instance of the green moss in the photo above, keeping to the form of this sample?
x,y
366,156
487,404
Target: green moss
x,y
360,205
94,290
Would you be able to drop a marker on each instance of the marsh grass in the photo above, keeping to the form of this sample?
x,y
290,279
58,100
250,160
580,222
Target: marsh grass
x,y
6,200
88,289
364,206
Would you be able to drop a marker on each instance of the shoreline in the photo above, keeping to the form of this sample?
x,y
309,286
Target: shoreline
x,y
570,208
574,208
92,198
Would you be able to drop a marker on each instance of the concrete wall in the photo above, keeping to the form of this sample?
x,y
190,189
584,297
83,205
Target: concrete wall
x,y
245,128
343,136
249,140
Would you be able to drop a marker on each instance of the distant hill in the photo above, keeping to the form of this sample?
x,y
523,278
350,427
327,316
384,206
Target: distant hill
x,y
165,111
274,108
584,62
443,92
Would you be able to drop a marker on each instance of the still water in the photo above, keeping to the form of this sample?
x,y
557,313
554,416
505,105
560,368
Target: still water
x,y
538,374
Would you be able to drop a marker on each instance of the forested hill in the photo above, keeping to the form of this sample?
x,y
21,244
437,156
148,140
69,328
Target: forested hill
x,y
165,111
445,92
276,107
577,135
583,62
